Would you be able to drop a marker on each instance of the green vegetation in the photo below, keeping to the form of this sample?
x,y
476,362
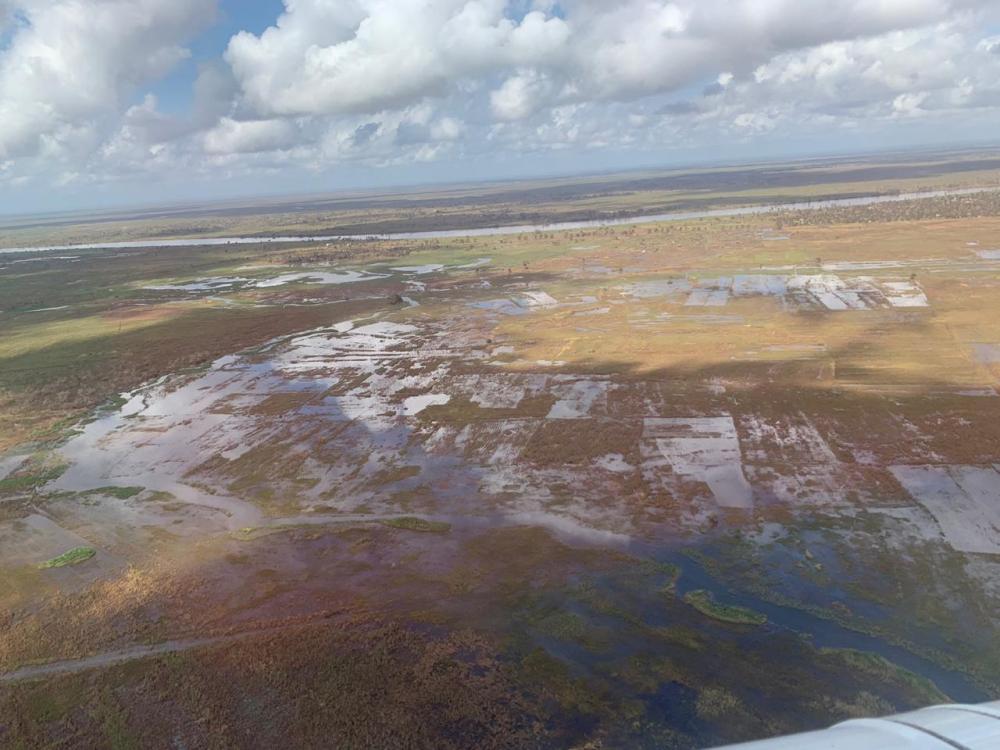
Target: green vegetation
x,y
116,403
29,482
673,573
570,626
863,705
717,703
122,493
44,704
418,524
113,718
883,669
250,533
704,602
72,557
553,679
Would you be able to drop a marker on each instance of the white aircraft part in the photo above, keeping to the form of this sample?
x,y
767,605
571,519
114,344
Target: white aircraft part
x,y
950,727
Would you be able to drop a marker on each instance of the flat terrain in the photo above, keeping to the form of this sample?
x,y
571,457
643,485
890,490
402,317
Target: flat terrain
x,y
463,207
667,485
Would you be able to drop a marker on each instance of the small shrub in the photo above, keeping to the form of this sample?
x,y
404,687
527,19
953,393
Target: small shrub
x,y
72,557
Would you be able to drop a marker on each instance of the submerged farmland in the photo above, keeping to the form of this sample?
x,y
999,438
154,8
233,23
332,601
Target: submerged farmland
x,y
672,484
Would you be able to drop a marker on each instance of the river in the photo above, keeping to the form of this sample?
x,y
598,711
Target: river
x,y
497,231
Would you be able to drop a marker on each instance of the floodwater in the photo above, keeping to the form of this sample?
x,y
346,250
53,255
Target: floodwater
x,y
343,402
706,449
420,270
987,354
965,501
509,230
226,283
416,404
821,632
825,291
9,464
505,306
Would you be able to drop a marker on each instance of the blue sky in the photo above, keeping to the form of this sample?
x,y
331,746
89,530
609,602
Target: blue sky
x,y
174,92
98,103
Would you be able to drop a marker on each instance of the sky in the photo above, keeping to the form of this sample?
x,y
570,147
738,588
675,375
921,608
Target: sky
x,y
127,102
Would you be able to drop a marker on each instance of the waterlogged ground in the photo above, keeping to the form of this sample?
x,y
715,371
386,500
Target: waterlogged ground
x,y
657,488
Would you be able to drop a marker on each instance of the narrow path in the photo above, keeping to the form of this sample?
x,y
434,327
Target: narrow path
x,y
133,653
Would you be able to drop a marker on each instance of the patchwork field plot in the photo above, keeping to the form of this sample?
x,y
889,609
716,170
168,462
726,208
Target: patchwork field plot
x,y
817,291
965,501
702,449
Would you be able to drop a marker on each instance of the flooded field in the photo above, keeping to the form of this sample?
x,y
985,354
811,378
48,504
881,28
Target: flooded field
x,y
806,291
646,486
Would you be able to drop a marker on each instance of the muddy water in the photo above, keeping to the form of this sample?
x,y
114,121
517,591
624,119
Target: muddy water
x,y
511,230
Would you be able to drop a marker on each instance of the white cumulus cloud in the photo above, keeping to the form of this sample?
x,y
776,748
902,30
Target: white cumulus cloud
x,y
366,55
250,136
70,66
391,82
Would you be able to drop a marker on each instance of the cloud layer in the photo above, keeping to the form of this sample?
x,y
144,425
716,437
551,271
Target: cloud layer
x,y
381,82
